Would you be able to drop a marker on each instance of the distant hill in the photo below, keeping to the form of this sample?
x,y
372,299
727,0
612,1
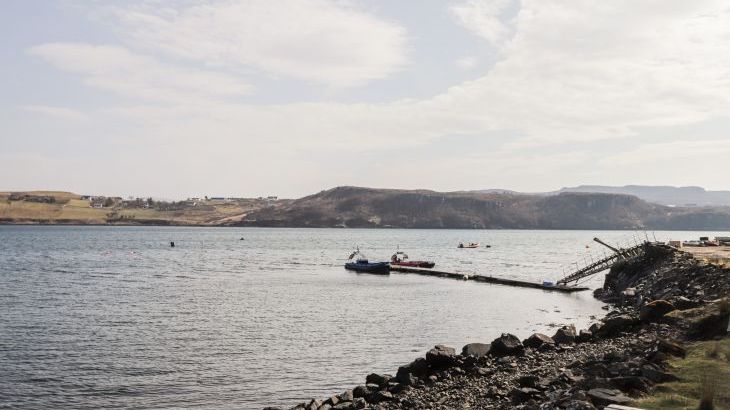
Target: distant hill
x,y
368,207
372,208
665,195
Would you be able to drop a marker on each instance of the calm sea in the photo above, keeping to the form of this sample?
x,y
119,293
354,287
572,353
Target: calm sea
x,y
113,317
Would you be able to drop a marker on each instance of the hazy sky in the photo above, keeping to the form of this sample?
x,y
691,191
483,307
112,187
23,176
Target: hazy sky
x,y
289,97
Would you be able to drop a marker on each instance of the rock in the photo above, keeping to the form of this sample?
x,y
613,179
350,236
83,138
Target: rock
x,y
380,380
528,381
523,394
714,325
441,356
412,372
325,406
506,345
683,303
346,405
670,347
604,397
537,340
584,336
314,404
346,396
653,311
361,391
475,349
614,325
579,405
359,403
381,396
333,400
628,383
565,335
595,327
655,374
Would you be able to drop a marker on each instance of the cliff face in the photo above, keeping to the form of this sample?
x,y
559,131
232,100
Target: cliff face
x,y
367,207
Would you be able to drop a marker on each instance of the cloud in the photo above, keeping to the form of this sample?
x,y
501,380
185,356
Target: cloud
x,y
326,42
568,74
129,74
485,18
466,63
60,113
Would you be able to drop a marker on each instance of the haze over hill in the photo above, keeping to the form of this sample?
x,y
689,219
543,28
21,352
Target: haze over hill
x,y
664,195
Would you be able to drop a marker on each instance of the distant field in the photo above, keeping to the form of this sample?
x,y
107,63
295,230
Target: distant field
x,y
70,209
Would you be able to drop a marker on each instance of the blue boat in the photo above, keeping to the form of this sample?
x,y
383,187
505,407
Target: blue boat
x,y
359,263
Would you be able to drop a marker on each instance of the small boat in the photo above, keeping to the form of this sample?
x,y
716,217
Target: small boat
x,y
401,259
470,245
359,263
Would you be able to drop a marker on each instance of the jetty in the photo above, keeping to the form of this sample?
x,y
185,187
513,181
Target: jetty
x,y
594,267
487,279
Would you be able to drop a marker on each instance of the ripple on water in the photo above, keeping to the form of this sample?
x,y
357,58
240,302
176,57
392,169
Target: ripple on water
x,y
103,317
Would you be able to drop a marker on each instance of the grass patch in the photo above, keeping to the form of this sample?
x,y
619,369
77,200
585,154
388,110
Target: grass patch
x,y
704,375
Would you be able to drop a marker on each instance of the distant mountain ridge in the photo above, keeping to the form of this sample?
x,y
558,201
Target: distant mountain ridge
x,y
664,195
687,196
368,207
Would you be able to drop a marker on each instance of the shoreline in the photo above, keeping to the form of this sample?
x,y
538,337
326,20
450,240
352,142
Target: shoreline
x,y
617,360
170,223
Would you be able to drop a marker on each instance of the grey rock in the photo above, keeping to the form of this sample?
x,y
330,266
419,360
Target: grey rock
x,y
476,349
565,335
441,356
382,396
653,311
506,345
380,380
604,397
536,340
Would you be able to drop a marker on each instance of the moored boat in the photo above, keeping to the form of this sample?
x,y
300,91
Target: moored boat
x,y
401,259
359,263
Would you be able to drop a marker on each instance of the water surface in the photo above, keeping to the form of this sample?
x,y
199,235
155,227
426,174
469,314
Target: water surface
x,y
112,317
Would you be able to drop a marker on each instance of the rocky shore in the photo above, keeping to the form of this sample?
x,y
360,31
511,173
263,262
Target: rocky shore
x,y
613,362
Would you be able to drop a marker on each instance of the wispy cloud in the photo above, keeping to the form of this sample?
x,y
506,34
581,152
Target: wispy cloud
x,y
60,113
485,18
129,74
327,42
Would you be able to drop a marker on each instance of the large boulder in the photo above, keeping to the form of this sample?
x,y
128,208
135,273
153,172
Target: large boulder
x,y
409,374
506,345
584,336
441,356
476,349
655,374
614,325
653,311
565,335
537,340
379,379
604,397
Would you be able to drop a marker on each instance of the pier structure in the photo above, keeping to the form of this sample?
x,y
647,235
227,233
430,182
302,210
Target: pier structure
x,y
487,279
604,263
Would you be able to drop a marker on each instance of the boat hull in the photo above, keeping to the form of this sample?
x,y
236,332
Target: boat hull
x,y
378,268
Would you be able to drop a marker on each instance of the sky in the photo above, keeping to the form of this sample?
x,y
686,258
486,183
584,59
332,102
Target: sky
x,y
174,99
